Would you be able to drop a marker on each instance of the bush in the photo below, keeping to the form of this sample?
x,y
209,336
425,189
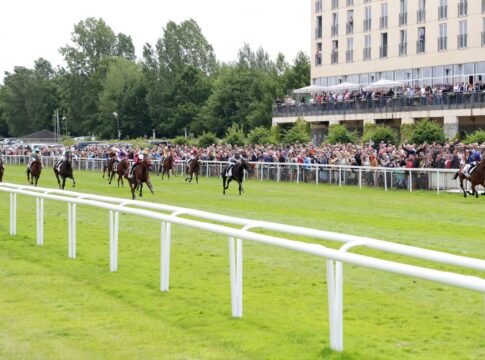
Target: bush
x,y
276,134
427,131
259,135
339,134
299,133
235,135
179,140
207,139
406,132
378,133
477,137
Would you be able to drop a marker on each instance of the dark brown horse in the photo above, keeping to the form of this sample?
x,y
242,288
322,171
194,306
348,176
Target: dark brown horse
x,y
193,168
237,175
477,178
108,164
167,166
141,174
2,169
34,170
121,168
64,170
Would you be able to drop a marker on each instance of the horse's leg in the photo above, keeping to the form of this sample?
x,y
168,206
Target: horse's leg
x,y
73,181
63,183
149,184
28,176
141,189
240,187
36,179
58,180
223,185
197,177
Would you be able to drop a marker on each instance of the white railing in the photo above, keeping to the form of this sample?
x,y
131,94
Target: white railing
x,y
334,257
409,179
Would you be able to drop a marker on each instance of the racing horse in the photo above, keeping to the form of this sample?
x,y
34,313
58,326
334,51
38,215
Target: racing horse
x,y
108,164
33,172
141,174
167,166
64,170
477,177
237,175
2,169
193,168
121,168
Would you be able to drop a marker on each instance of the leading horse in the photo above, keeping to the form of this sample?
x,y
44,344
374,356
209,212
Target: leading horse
x,y
64,170
477,177
193,168
34,170
236,175
141,174
121,168
2,169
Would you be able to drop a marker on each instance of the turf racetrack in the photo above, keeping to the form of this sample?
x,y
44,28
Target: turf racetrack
x,y
52,307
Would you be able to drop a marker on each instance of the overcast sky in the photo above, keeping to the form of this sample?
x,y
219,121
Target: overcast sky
x,y
30,29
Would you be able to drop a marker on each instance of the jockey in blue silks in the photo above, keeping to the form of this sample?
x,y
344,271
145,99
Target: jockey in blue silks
x,y
473,159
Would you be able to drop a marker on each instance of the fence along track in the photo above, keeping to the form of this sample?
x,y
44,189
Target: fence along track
x,y
335,258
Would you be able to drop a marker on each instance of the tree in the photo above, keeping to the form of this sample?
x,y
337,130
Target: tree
x,y
477,137
299,133
378,133
339,134
427,131
259,135
235,135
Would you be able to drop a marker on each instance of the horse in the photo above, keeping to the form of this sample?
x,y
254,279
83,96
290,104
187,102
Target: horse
x,y
193,168
167,166
237,175
33,172
477,178
121,168
64,170
108,164
2,169
141,174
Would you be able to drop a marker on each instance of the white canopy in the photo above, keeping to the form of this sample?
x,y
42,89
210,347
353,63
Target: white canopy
x,y
344,86
384,84
312,89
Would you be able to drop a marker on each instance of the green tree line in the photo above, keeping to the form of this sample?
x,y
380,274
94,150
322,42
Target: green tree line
x,y
178,85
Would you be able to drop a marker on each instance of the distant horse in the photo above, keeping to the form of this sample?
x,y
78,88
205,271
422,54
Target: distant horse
x,y
193,168
237,175
33,172
64,170
141,174
121,168
167,166
2,169
477,178
108,164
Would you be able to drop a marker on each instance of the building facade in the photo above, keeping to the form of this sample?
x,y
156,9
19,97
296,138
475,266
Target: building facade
x,y
421,43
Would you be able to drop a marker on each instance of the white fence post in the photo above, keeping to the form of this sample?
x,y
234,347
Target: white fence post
x,y
331,303
164,258
113,232
40,221
235,269
13,214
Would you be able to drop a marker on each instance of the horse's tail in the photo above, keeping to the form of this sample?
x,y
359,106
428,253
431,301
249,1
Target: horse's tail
x,y
456,175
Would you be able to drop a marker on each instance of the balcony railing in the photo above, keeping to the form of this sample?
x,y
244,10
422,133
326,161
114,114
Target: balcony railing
x,y
442,43
420,46
367,24
318,33
403,49
383,22
462,41
383,51
442,12
463,9
349,56
335,30
421,16
349,27
334,57
367,53
403,19
318,6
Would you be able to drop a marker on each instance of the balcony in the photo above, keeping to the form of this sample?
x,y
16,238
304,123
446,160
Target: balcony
x,y
367,53
420,46
463,9
442,43
349,56
383,22
403,19
367,24
421,16
318,6
462,41
403,49
318,33
383,51
442,12
335,30
334,57
349,27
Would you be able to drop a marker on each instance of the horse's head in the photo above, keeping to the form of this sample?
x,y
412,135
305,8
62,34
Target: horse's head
x,y
245,164
147,162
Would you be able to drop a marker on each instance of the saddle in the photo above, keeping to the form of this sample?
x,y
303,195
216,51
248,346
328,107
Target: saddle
x,y
115,165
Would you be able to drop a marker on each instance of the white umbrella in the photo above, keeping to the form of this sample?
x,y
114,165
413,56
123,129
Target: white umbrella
x,y
344,86
312,89
384,84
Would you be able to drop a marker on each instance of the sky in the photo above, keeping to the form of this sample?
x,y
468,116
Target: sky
x,y
30,29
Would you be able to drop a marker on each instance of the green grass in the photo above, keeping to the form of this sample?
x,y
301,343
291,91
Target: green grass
x,y
52,307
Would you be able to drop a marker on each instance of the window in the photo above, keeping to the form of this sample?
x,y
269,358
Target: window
x,y
318,27
349,55
462,37
334,56
367,47
383,20
318,6
318,54
462,8
335,24
367,18
421,13
483,32
334,4
443,9
403,44
421,43
383,48
350,22
443,38
403,14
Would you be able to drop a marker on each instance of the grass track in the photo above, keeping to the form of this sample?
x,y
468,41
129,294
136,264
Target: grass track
x,y
52,307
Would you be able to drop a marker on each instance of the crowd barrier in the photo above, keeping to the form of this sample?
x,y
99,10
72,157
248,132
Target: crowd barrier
x,y
409,179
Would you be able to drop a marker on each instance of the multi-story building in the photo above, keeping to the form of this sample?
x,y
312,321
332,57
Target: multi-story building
x,y
418,42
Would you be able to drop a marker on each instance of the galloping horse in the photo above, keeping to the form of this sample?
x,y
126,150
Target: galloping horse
x,y
108,163
193,168
2,169
167,166
64,170
121,168
237,175
141,174
477,178
33,172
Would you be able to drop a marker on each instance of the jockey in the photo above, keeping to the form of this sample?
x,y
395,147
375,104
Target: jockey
x,y
33,156
167,151
233,160
192,156
138,158
65,154
473,159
